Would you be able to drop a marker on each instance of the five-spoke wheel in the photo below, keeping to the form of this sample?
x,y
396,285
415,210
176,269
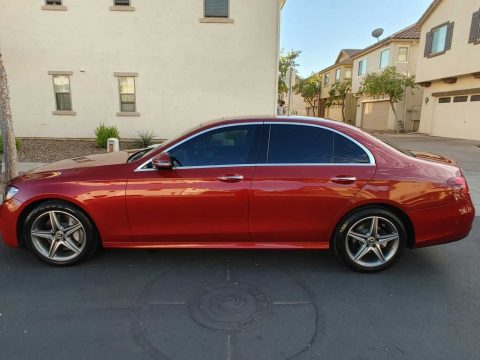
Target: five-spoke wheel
x,y
370,239
59,233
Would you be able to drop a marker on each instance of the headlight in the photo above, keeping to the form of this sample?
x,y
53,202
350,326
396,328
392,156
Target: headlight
x,y
10,192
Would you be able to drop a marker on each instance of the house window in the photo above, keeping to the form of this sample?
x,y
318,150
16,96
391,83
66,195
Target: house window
x,y
216,8
403,54
63,94
439,40
458,99
475,98
53,2
337,75
326,79
384,58
362,67
126,85
348,74
444,100
475,29
121,2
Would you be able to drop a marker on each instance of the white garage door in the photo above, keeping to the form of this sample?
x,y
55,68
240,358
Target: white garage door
x,y
375,115
457,119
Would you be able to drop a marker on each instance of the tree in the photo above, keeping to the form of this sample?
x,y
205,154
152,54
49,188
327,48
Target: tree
x,y
338,95
287,61
309,89
6,126
388,83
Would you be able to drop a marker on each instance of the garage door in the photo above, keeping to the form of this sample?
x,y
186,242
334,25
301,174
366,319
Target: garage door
x,y
375,115
457,119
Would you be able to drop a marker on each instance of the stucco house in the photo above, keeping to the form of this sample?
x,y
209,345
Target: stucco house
x,y
161,66
340,71
448,68
399,50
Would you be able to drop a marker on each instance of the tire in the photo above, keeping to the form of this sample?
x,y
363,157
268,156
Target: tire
x,y
70,240
362,248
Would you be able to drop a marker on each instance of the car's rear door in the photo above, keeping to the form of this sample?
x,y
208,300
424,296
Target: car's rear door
x,y
308,176
204,198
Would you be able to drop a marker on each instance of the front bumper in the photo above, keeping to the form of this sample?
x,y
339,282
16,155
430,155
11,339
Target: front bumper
x,y
9,213
443,224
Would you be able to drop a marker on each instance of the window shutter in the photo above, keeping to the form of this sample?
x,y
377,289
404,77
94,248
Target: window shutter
x,y
428,44
448,41
216,8
474,28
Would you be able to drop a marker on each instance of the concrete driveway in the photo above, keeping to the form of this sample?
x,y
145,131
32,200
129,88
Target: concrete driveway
x,y
247,305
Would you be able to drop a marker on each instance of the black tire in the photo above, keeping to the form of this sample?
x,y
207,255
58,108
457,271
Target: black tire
x,y
88,234
370,261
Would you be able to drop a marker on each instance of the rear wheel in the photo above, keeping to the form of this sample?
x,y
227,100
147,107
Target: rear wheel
x,y
59,233
370,240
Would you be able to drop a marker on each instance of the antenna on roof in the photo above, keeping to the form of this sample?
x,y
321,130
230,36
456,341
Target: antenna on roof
x,y
377,33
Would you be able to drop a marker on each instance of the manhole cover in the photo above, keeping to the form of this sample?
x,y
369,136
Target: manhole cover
x,y
220,310
230,307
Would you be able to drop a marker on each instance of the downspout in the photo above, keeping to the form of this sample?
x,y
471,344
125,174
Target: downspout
x,y
405,92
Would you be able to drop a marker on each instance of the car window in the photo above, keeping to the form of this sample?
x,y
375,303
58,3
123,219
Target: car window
x,y
224,146
297,144
345,151
300,144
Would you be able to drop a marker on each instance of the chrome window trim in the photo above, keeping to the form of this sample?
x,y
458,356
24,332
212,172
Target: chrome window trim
x,y
141,168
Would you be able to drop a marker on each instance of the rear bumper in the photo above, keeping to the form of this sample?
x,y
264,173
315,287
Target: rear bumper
x,y
443,224
9,212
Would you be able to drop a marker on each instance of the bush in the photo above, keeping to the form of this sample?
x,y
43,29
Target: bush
x,y
18,143
145,138
103,133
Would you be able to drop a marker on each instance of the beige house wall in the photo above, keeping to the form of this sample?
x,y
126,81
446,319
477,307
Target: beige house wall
x,y
189,71
409,108
463,58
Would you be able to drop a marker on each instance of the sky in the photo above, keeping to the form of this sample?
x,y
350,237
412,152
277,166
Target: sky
x,y
321,28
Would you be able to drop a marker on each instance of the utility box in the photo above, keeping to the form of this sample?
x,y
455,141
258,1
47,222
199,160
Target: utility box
x,y
113,145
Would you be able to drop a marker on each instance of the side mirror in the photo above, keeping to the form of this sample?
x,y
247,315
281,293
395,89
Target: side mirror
x,y
162,161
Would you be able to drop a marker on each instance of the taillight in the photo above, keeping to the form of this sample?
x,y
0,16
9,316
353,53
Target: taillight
x,y
458,183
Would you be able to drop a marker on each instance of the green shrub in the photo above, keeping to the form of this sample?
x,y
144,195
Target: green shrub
x,y
103,133
18,143
145,138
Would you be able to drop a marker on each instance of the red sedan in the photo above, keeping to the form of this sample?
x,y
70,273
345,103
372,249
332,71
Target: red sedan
x,y
263,183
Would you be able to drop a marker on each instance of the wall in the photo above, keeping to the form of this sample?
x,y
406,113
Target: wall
x,y
188,72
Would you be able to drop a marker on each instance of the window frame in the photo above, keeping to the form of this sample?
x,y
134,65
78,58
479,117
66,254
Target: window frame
x,y
60,1
348,71
338,75
384,51
360,67
326,79
126,5
217,19
119,75
449,25
55,7
67,74
406,55
263,124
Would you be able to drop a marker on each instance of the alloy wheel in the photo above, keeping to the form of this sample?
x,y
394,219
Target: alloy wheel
x,y
372,241
58,236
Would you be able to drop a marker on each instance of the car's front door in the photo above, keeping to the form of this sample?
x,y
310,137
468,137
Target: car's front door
x,y
204,198
309,175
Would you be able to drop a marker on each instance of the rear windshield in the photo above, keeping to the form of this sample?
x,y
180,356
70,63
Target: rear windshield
x,y
397,147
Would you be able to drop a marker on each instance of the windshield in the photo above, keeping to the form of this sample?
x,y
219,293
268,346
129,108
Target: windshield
x,y
396,147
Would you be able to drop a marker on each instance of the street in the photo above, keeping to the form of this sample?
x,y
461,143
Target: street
x,y
192,305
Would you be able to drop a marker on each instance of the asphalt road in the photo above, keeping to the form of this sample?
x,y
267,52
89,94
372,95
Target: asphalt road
x,y
239,305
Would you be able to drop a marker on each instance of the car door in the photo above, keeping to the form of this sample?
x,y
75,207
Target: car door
x,y
204,198
308,176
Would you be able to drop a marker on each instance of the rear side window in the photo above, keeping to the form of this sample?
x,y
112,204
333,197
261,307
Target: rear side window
x,y
347,152
299,144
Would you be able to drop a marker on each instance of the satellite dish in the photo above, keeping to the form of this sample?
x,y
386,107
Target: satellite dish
x,y
377,33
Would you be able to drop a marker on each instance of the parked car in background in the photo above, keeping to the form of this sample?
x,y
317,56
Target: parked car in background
x,y
249,183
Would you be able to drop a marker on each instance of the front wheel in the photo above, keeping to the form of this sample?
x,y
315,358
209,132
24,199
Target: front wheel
x,y
370,240
59,233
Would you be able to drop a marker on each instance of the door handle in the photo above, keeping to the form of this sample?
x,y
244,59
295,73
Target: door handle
x,y
231,178
343,179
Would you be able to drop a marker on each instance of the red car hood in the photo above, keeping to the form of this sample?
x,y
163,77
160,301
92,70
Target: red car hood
x,y
114,158
434,157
